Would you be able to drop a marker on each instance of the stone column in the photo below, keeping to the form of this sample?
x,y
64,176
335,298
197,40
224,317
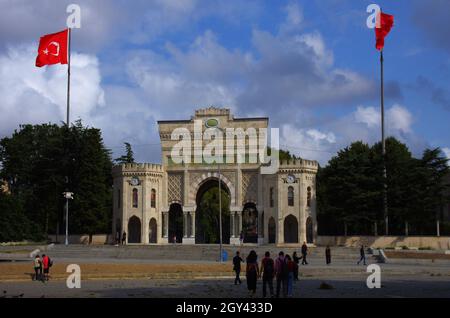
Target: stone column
x,y
188,239
185,227
235,233
166,224
193,225
164,228
232,232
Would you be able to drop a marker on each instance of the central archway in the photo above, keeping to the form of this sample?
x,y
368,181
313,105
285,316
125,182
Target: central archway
x,y
207,213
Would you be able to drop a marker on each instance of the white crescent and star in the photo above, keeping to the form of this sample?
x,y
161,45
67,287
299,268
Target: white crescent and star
x,y
47,52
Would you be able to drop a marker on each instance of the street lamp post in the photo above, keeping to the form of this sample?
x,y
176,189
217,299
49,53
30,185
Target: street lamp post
x,y
220,204
220,214
67,195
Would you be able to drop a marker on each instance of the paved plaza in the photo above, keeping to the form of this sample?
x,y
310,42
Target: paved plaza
x,y
139,274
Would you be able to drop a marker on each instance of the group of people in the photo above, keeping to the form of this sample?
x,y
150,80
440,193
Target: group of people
x,y
284,270
42,267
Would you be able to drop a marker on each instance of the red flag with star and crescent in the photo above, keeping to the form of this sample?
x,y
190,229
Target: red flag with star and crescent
x,y
385,22
53,49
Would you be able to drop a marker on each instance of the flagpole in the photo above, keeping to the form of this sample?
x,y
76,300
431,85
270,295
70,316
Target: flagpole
x,y
383,147
68,79
68,127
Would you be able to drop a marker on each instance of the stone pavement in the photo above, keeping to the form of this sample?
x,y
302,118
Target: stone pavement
x,y
354,287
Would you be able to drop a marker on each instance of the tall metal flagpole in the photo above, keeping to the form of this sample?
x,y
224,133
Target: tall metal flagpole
x,y
220,215
68,126
68,79
383,147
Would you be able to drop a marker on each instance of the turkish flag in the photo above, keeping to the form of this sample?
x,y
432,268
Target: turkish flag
x,y
384,24
53,49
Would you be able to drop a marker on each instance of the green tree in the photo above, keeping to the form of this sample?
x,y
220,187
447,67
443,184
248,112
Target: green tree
x,y
40,162
128,157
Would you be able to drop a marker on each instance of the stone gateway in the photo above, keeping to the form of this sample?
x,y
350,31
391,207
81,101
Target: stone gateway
x,y
162,203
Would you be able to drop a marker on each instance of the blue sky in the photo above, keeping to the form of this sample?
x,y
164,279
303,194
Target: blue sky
x,y
310,66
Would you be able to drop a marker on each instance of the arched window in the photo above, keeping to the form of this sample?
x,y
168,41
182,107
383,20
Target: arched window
x,y
153,199
135,198
290,196
271,202
308,197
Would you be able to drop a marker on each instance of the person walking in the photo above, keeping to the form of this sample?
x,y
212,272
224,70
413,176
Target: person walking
x,y
241,237
362,254
304,253
296,260
37,264
46,263
267,272
281,273
290,277
117,238
252,272
328,255
237,260
124,238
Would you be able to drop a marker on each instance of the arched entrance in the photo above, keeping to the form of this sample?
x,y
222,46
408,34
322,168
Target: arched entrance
x,y
207,214
152,231
175,223
250,223
290,229
272,230
134,230
309,230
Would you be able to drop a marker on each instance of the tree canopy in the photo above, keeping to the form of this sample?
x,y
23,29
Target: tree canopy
x,y
39,163
350,189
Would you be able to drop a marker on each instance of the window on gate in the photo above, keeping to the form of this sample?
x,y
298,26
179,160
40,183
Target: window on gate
x,y
153,199
135,198
290,196
308,197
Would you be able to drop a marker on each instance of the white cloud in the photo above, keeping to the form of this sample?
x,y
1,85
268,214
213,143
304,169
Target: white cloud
x,y
362,124
307,143
446,151
294,14
36,95
368,116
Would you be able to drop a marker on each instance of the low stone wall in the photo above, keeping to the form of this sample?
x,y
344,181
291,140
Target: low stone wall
x,y
433,242
97,239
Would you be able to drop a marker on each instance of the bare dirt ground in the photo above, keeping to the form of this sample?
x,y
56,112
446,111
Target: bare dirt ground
x,y
24,271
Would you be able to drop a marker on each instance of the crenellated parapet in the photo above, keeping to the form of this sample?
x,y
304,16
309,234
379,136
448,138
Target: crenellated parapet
x,y
299,166
138,169
212,111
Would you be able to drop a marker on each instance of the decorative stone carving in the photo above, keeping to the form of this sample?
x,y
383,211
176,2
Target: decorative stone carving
x,y
175,188
249,187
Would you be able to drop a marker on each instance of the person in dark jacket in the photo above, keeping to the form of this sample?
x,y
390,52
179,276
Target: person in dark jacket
x,y
268,273
296,260
252,272
328,255
362,253
281,274
304,253
237,260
